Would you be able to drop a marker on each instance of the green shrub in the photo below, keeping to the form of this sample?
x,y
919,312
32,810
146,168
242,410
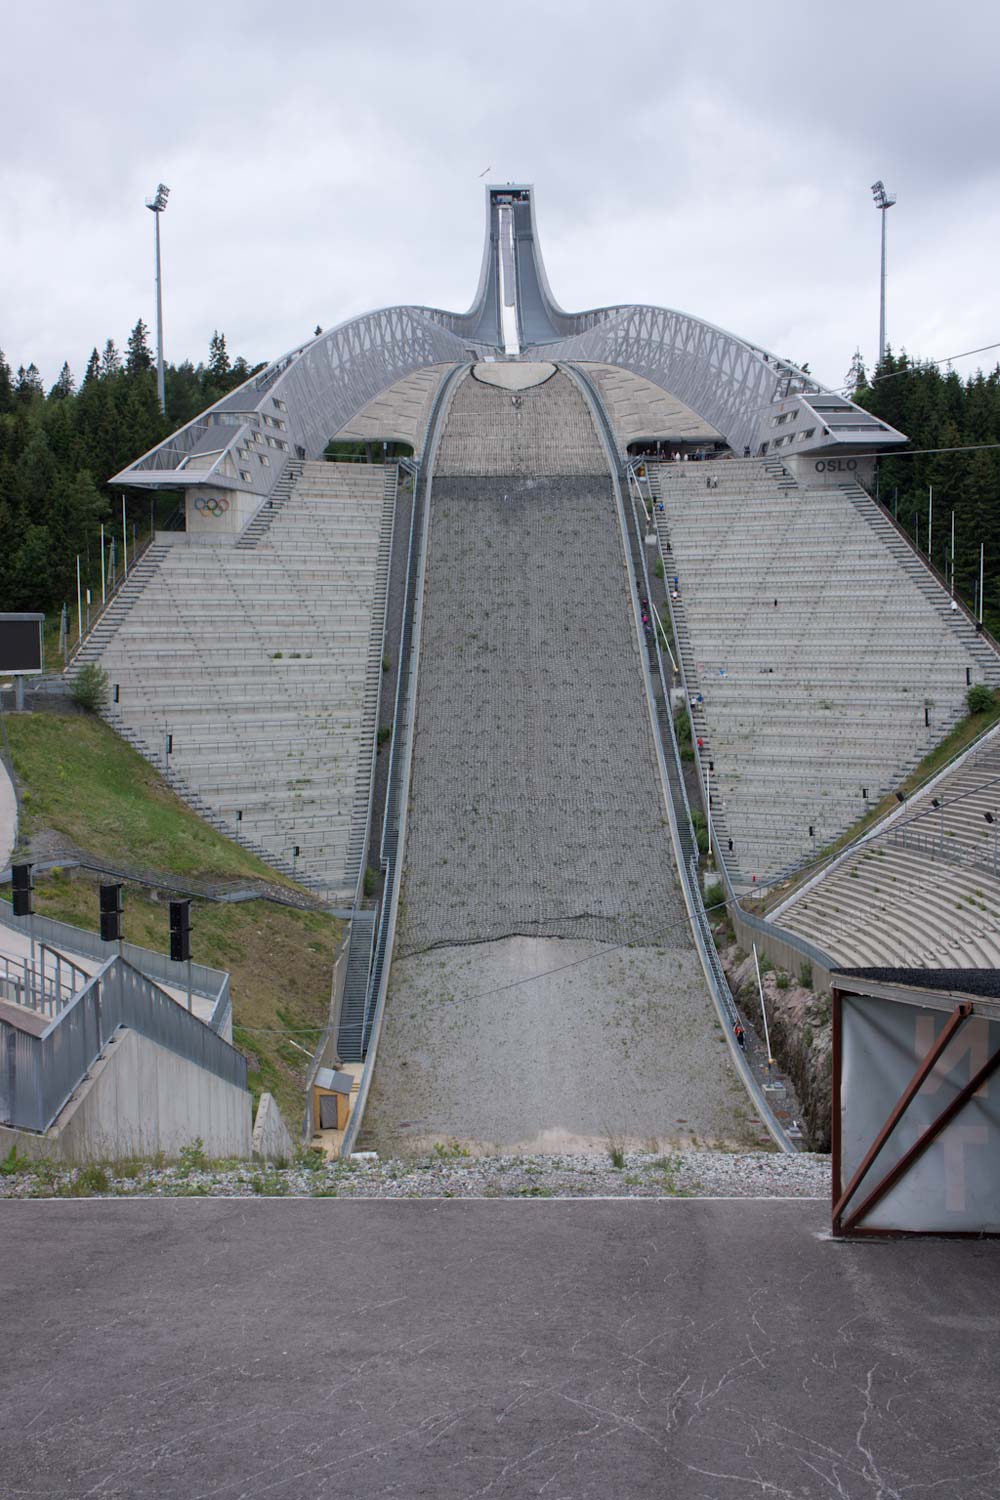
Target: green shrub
x,y
192,1157
979,699
384,734
682,726
658,567
14,1161
700,823
91,690
92,1179
715,895
387,664
371,881
806,974
782,981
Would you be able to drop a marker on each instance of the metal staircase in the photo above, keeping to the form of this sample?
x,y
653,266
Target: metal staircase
x,y
931,586
361,811
260,523
117,610
351,1040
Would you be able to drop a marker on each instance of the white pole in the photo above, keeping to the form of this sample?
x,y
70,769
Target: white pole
x,y
953,554
763,1009
930,516
708,811
981,547
104,594
79,602
159,321
124,537
667,644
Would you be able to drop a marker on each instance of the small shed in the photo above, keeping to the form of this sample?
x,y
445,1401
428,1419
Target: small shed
x,y
331,1099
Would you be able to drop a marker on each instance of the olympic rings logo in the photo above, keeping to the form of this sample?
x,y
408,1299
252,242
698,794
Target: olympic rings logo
x,y
210,505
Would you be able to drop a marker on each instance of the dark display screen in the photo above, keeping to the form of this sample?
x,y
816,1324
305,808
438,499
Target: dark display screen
x,y
20,643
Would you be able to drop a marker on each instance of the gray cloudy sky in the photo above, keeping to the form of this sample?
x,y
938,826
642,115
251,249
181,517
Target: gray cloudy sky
x,y
323,159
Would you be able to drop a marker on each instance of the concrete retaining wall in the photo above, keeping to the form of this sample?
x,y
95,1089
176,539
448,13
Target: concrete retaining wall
x,y
141,1100
271,1138
784,955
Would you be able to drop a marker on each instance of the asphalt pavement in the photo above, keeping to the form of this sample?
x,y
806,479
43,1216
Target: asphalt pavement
x,y
292,1349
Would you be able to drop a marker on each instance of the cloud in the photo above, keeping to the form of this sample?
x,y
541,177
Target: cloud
x,y
325,159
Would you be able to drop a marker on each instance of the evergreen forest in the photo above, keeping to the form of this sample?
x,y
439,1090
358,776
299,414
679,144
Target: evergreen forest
x,y
59,447
940,410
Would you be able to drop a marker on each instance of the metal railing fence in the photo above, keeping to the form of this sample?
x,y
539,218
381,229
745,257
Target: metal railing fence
x,y
45,982
38,1074
396,794
211,984
670,760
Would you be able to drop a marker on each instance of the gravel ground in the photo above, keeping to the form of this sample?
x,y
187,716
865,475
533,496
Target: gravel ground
x,y
448,1173
539,1044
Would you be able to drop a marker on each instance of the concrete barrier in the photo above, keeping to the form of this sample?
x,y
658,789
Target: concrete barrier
x,y
271,1139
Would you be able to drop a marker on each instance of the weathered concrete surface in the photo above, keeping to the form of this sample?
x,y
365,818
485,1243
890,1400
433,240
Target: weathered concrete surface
x,y
536,803
610,1044
271,1138
581,1350
536,815
140,1099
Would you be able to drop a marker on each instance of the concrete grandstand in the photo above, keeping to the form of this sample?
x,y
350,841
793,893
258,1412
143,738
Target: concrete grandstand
x,y
539,967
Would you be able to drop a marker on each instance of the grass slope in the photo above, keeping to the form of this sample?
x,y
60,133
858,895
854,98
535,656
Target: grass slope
x,y
78,777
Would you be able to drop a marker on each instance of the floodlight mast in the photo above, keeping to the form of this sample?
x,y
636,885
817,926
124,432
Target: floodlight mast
x,y
156,205
883,202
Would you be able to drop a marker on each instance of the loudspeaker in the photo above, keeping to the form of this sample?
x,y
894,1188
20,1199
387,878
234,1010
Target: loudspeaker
x,y
23,890
180,931
111,913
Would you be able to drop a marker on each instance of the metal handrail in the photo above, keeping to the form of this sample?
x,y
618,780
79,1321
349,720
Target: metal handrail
x,y
409,664
678,806
393,471
40,1073
101,610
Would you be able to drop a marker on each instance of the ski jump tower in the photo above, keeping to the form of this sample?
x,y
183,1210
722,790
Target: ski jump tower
x,y
755,400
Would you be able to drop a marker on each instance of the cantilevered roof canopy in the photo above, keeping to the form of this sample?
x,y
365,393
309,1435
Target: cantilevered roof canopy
x,y
748,395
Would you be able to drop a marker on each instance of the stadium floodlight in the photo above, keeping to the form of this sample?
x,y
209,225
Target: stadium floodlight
x,y
883,202
156,205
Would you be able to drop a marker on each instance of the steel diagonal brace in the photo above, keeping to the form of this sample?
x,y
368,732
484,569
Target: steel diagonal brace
x,y
928,1138
920,1145
960,1014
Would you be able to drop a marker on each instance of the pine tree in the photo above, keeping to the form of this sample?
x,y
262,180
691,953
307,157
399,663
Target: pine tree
x,y
64,386
6,386
111,362
139,358
856,380
29,384
218,358
93,371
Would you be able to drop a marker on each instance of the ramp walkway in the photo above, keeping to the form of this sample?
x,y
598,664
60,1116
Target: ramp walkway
x,y
251,673
545,987
827,660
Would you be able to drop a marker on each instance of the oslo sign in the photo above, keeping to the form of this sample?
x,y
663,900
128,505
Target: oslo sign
x,y
836,465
